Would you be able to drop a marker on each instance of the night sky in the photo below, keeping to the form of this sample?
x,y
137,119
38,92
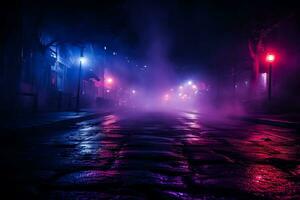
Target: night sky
x,y
190,33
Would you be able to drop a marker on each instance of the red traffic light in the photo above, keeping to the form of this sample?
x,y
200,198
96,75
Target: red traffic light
x,y
270,58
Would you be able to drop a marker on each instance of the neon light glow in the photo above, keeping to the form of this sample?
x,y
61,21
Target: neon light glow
x,y
270,58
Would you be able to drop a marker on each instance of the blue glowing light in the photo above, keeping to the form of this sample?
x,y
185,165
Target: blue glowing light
x,y
83,60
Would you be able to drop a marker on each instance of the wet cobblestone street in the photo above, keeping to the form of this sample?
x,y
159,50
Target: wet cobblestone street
x,y
153,155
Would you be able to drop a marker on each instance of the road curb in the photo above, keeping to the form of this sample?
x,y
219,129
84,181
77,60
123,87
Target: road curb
x,y
55,124
286,124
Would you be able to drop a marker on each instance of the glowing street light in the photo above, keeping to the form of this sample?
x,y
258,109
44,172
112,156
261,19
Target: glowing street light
x,y
133,91
108,85
190,82
270,58
109,80
83,60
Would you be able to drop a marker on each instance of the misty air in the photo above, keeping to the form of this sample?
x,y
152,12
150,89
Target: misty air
x,y
150,99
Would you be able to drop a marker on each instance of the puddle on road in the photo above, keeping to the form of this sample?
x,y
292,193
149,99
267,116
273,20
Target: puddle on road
x,y
266,179
110,124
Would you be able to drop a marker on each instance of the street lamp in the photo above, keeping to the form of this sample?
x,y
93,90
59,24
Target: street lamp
x,y
270,58
81,61
109,81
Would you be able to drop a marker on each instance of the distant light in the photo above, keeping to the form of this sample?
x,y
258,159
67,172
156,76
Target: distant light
x,y
194,87
109,80
180,94
270,58
184,96
108,91
114,53
190,82
83,60
133,91
145,66
180,87
166,97
105,48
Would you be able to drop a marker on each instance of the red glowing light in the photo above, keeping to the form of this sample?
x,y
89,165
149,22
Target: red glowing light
x,y
270,58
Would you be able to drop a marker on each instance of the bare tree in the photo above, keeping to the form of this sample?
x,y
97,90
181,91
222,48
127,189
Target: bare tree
x,y
257,48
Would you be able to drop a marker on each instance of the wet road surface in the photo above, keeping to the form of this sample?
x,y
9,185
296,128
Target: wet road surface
x,y
153,155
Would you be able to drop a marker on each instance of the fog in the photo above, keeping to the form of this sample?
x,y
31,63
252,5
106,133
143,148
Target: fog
x,y
165,85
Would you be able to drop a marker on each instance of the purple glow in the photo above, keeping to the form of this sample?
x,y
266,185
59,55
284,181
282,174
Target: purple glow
x,y
264,79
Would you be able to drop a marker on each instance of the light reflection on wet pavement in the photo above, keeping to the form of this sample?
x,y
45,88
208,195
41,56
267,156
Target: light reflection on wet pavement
x,y
156,155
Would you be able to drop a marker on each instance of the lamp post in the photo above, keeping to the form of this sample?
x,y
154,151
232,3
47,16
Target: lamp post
x,y
270,58
108,84
81,60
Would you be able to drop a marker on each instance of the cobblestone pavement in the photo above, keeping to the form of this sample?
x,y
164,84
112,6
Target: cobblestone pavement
x,y
153,155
